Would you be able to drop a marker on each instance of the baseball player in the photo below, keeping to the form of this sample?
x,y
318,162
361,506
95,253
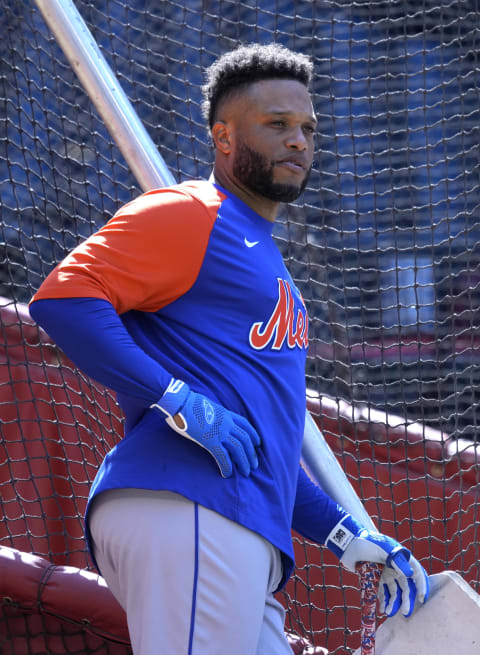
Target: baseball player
x,y
182,304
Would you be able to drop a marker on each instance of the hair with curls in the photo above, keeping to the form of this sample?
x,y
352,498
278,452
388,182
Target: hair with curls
x,y
247,64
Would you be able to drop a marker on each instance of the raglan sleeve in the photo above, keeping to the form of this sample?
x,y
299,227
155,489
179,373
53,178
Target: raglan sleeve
x,y
145,257
148,255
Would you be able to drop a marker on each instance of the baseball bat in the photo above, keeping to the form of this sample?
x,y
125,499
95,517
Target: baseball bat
x,y
324,468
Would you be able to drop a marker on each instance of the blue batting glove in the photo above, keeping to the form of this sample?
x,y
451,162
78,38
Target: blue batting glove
x,y
227,436
403,578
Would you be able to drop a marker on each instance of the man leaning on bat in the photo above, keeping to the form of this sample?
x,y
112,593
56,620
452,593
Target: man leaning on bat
x,y
182,304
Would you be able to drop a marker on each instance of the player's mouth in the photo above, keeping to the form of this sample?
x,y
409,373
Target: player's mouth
x,y
294,164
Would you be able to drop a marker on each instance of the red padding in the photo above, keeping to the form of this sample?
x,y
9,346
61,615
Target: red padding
x,y
32,584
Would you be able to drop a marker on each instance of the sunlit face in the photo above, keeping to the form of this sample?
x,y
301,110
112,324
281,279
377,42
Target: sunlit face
x,y
273,141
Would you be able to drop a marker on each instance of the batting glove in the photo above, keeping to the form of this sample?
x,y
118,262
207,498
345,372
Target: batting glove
x,y
403,578
227,436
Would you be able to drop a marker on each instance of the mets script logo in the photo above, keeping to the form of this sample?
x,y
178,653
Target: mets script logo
x,y
282,325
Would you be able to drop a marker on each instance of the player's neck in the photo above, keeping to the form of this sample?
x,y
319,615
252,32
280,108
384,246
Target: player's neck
x,y
266,208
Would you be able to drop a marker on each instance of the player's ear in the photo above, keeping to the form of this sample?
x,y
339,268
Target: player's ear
x,y
221,137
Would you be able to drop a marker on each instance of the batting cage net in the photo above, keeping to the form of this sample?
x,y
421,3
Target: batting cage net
x,y
384,245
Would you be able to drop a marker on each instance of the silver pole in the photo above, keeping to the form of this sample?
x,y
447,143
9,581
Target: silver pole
x,y
103,88
323,467
151,172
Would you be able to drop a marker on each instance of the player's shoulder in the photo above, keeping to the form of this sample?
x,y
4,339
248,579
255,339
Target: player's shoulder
x,y
204,192
185,202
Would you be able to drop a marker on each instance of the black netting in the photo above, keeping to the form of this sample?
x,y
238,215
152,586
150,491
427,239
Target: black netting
x,y
34,634
384,245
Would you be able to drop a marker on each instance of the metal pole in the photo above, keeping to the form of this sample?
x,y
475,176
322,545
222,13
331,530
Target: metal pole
x,y
324,468
103,88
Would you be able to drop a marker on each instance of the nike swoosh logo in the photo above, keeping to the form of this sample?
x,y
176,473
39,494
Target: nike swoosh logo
x,y
250,244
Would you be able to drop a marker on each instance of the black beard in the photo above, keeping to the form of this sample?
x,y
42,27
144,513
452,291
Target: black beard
x,y
256,172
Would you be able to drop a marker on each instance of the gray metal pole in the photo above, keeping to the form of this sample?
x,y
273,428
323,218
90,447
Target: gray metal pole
x,y
103,88
150,171
323,467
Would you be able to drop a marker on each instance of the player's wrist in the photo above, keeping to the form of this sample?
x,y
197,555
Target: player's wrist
x,y
173,400
342,535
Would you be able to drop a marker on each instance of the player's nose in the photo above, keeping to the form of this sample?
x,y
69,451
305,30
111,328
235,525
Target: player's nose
x,y
297,139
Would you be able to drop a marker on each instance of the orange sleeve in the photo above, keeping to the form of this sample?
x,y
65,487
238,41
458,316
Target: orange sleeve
x,y
145,257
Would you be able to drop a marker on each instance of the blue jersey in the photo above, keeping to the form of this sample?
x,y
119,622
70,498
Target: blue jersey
x,y
203,295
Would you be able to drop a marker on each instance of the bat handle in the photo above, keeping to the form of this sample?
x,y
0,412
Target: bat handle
x,y
369,573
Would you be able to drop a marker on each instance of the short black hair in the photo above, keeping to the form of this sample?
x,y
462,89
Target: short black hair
x,y
248,64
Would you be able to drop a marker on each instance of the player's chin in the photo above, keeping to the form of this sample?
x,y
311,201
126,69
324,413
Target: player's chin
x,y
287,192
290,185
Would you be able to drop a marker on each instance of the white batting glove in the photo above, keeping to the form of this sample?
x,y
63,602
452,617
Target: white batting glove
x,y
403,579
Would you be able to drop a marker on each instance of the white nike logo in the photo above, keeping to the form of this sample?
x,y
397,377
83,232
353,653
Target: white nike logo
x,y
250,244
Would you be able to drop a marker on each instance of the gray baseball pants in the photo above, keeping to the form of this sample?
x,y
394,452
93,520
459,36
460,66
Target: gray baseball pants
x,y
190,581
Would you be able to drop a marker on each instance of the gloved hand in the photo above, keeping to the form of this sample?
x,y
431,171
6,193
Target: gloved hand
x,y
227,436
403,578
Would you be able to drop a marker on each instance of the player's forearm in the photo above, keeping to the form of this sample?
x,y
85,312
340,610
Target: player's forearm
x,y
91,333
315,513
